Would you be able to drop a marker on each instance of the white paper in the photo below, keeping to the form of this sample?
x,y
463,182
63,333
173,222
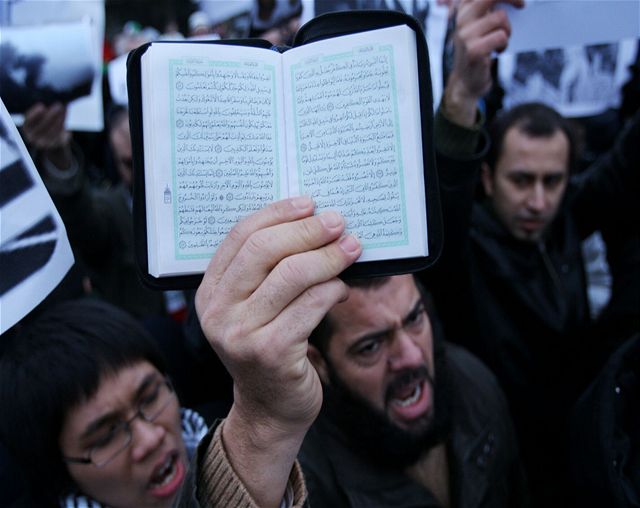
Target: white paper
x,y
560,23
356,142
31,263
86,113
117,76
223,138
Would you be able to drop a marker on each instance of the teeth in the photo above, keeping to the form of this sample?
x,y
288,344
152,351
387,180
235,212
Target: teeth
x,y
166,473
412,399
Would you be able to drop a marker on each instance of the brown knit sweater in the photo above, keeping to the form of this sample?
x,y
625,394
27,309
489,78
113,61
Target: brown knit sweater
x,y
219,485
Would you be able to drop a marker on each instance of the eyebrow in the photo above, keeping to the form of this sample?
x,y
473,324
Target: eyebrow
x,y
381,333
100,422
531,172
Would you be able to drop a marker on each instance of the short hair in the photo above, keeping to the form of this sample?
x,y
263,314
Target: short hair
x,y
534,119
50,366
321,335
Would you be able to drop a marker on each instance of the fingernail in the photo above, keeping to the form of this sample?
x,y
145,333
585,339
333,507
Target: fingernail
x,y
349,244
330,219
302,202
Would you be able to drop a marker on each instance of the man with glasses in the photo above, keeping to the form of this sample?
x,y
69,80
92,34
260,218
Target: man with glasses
x,y
86,408
90,413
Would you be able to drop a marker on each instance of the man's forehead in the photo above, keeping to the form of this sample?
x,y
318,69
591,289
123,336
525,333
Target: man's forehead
x,y
516,137
524,152
375,306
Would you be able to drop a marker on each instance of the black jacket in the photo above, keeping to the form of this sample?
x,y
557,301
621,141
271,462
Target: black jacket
x,y
525,305
605,434
483,458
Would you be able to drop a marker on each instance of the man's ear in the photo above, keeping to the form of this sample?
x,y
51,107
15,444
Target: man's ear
x,y
318,362
487,179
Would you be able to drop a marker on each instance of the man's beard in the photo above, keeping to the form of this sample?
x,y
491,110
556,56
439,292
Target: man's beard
x,y
370,432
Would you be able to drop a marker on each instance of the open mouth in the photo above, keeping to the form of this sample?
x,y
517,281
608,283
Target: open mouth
x,y
412,397
410,402
168,476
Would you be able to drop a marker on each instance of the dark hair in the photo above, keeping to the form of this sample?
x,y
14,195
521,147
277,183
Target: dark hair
x,y
534,119
322,333
51,365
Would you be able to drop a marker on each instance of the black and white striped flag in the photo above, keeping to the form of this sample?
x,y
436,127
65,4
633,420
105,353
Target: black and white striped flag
x,y
34,250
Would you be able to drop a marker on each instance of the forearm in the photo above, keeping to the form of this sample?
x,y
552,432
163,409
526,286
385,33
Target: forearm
x,y
262,455
457,142
63,177
458,104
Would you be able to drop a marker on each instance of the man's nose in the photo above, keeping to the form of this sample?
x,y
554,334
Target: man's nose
x,y
536,199
404,352
146,437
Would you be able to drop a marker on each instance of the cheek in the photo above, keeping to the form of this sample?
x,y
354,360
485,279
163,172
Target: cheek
x,y
112,485
555,197
427,351
507,202
368,383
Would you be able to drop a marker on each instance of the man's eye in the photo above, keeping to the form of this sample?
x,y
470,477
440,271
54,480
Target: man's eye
x,y
368,348
551,182
415,319
520,180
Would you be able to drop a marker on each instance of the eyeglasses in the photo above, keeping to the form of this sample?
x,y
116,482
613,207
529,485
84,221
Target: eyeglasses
x,y
153,402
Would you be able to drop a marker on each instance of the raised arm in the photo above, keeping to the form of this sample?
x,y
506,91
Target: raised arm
x,y
44,132
481,30
269,284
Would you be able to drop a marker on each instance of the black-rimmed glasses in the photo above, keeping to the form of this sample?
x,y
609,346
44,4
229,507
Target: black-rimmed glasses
x,y
153,402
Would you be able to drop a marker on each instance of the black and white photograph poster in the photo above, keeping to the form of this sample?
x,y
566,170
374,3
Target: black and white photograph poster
x,y
572,55
577,81
36,66
85,113
34,250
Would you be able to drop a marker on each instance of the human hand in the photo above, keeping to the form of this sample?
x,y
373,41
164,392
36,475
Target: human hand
x,y
481,30
269,284
44,130
267,287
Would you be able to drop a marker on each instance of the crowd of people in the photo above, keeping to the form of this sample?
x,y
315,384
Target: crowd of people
x,y
486,380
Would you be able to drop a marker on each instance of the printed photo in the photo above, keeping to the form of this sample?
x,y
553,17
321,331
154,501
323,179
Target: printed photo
x,y
36,66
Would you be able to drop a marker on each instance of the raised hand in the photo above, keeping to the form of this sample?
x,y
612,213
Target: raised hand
x,y
481,30
269,284
43,129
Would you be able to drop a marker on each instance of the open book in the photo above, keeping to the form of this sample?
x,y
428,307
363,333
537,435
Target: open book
x,y
227,129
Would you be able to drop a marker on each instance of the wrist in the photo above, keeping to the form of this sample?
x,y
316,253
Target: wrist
x,y
262,452
263,430
61,157
458,104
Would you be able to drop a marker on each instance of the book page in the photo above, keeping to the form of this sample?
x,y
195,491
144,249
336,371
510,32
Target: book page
x,y
213,136
354,142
